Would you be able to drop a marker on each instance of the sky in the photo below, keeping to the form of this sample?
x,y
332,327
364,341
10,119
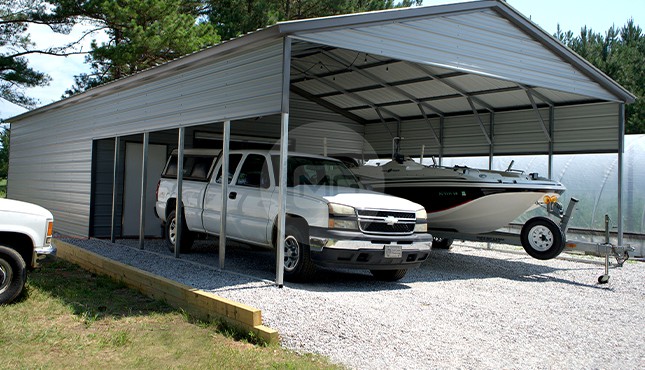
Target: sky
x,y
599,15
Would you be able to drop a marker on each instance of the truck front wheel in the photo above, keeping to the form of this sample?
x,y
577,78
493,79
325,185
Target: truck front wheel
x,y
13,274
187,237
297,260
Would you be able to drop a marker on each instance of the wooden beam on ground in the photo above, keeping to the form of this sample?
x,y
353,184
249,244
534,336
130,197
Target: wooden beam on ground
x,y
196,302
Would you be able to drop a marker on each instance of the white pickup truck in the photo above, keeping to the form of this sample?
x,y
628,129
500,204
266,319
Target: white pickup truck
x,y
25,239
331,219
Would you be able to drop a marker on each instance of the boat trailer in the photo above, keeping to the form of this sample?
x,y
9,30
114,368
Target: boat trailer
x,y
543,238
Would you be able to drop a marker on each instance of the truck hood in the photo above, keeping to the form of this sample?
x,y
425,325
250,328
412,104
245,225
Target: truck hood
x,y
16,206
357,198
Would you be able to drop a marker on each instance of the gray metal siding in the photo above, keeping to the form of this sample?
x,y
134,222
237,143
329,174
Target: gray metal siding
x,y
53,173
481,42
584,128
587,128
51,154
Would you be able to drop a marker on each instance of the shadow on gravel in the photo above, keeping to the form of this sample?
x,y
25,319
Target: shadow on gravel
x,y
451,265
245,267
251,265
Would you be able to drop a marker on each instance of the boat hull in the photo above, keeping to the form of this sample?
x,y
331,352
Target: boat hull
x,y
474,209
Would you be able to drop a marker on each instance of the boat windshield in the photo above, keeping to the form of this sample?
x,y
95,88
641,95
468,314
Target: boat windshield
x,y
316,172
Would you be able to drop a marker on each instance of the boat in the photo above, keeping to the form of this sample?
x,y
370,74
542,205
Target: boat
x,y
461,199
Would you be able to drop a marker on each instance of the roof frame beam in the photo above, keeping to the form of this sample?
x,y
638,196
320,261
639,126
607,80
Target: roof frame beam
x,y
335,86
318,100
396,89
545,129
451,85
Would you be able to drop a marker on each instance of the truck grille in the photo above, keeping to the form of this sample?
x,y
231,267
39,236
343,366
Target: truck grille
x,y
386,222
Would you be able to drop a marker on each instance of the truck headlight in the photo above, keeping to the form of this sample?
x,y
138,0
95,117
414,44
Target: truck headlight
x,y
421,221
342,217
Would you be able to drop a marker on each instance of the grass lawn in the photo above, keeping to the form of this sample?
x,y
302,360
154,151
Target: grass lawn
x,y
70,318
3,188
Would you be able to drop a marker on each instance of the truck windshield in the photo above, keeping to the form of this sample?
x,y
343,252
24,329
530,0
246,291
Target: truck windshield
x,y
315,171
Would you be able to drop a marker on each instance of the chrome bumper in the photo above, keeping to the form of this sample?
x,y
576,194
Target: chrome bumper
x,y
42,254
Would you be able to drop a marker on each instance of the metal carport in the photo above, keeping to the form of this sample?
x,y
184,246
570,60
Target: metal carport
x,y
472,78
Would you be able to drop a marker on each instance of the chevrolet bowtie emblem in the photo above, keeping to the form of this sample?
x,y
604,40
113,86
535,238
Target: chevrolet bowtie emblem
x,y
391,220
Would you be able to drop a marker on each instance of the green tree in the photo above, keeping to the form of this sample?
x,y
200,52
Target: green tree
x,y
142,34
15,73
4,151
620,54
235,17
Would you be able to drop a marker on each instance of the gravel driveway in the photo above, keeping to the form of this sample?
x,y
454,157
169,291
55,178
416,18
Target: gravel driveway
x,y
465,308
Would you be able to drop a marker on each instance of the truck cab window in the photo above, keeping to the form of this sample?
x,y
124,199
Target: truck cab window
x,y
233,161
254,172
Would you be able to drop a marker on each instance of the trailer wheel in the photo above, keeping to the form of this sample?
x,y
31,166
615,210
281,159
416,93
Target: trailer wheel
x,y
542,238
13,274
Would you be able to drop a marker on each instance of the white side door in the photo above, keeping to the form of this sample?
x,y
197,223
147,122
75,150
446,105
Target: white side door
x,y
249,201
132,188
212,212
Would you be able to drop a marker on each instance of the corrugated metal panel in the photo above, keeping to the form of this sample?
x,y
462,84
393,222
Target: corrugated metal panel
x,y
309,125
53,172
481,42
599,122
51,153
463,136
515,132
520,132
241,85
417,134
102,184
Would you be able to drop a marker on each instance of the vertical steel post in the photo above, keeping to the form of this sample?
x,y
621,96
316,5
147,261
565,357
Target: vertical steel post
x,y
179,207
552,140
621,150
491,150
284,146
144,186
225,163
441,143
114,188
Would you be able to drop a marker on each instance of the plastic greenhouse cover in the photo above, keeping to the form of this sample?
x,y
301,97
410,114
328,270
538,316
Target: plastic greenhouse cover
x,y
591,178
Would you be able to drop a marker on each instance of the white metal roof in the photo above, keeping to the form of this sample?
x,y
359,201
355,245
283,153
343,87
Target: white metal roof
x,y
448,59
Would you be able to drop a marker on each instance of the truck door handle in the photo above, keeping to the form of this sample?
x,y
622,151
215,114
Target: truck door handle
x,y
232,195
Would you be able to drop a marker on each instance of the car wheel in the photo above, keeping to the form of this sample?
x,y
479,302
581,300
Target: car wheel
x,y
187,237
297,259
13,274
441,243
542,238
389,275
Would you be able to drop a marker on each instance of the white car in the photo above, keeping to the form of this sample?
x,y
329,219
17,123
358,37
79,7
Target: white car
x,y
331,219
25,240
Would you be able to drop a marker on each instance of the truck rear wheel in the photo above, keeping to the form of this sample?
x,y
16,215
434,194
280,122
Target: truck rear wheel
x,y
13,274
389,275
297,259
187,237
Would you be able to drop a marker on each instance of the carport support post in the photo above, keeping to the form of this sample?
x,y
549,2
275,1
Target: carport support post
x,y
621,150
284,146
114,188
222,226
179,218
144,185
551,142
